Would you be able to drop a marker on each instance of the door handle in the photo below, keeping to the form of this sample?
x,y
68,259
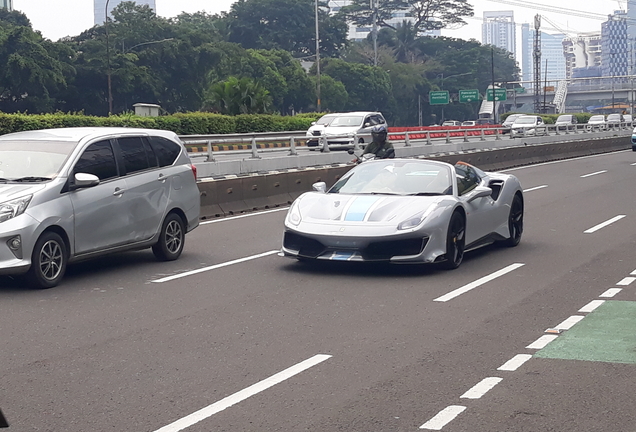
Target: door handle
x,y
119,192
162,178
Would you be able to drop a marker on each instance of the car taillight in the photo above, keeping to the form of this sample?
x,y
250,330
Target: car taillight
x,y
194,170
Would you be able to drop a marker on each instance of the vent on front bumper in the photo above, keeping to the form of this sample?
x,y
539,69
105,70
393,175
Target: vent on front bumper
x,y
305,246
384,250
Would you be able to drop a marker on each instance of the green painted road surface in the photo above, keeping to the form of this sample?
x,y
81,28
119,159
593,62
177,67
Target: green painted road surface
x,y
608,334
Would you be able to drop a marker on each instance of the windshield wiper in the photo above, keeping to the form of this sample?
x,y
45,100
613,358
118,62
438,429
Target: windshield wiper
x,y
30,179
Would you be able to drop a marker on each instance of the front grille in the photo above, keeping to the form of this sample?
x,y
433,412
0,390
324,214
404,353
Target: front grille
x,y
315,133
305,246
384,250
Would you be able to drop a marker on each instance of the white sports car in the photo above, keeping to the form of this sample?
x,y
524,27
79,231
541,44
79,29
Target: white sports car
x,y
405,211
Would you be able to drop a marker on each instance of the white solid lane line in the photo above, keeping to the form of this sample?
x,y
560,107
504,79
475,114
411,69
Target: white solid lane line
x,y
626,281
459,291
569,323
604,224
444,417
242,216
481,388
514,363
214,267
593,174
237,397
542,341
591,305
611,292
535,188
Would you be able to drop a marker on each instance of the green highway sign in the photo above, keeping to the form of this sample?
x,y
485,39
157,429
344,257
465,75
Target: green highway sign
x,y
468,95
438,97
500,95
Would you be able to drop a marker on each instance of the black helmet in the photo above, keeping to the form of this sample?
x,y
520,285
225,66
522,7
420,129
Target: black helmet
x,y
379,133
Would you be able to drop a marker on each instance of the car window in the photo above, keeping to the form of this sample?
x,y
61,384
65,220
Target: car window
x,y
167,151
467,178
98,159
134,154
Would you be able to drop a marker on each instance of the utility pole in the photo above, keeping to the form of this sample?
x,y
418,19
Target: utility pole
x,y
545,88
374,9
317,60
536,54
110,87
492,70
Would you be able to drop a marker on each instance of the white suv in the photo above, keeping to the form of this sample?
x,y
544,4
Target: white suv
x,y
344,128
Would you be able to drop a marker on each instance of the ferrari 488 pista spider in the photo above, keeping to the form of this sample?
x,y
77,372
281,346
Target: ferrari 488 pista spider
x,y
405,211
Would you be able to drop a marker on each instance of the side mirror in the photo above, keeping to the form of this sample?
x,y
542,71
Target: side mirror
x,y
84,180
320,187
480,192
313,123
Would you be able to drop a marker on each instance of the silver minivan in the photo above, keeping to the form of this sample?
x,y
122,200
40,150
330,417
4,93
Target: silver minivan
x,y
70,194
343,129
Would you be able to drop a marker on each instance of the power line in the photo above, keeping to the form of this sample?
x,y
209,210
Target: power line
x,y
554,9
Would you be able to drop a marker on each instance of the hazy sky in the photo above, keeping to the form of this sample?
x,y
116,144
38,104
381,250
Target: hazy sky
x,y
59,18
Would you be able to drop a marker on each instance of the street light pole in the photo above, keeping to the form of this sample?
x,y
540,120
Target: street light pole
x,y
442,87
317,59
110,89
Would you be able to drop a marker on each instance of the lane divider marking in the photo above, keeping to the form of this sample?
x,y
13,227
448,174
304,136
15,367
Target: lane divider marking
x,y
242,216
214,267
591,305
542,342
593,174
611,292
604,224
535,188
514,363
569,323
626,281
462,290
444,417
481,388
239,396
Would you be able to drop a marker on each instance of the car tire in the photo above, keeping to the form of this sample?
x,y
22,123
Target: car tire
x,y
455,242
171,239
48,261
515,222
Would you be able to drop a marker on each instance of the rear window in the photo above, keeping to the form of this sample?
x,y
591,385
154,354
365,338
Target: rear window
x,y
166,151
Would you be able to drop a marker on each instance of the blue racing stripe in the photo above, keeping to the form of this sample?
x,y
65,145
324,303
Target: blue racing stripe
x,y
360,207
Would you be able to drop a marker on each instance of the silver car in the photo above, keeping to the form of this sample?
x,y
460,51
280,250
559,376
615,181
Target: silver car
x,y
70,194
405,211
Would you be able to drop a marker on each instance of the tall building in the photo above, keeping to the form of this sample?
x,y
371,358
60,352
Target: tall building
x,y
551,51
582,54
100,8
614,45
6,4
499,30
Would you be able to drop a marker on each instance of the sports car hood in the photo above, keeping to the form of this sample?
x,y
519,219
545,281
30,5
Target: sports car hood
x,y
344,209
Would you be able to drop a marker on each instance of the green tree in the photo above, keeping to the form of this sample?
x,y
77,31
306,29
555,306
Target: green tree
x,y
333,94
238,96
285,24
426,14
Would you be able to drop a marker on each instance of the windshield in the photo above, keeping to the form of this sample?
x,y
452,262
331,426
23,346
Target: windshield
x,y
512,118
347,121
597,118
325,119
35,160
564,118
396,178
614,117
525,120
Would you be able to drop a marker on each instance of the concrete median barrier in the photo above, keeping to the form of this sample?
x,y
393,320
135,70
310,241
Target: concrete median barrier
x,y
236,194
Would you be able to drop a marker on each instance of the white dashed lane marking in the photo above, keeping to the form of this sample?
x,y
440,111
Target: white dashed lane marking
x,y
569,323
459,291
514,363
591,305
481,388
611,292
604,224
444,417
542,342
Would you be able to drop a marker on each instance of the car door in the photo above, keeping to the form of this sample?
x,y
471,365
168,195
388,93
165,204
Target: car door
x,y
480,212
148,186
100,217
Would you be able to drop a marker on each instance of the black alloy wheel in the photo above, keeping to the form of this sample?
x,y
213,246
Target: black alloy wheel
x,y
48,261
455,242
515,222
171,239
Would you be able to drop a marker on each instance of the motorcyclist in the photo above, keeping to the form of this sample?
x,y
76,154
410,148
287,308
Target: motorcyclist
x,y
380,146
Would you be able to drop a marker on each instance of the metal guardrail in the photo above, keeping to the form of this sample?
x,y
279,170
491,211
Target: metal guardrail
x,y
407,138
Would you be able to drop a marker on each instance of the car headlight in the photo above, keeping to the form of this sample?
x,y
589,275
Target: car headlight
x,y
293,217
416,219
13,208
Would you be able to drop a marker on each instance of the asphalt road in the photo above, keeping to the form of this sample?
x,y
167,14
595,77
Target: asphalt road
x,y
255,342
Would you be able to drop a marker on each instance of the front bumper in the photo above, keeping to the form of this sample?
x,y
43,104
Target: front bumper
x,y
401,248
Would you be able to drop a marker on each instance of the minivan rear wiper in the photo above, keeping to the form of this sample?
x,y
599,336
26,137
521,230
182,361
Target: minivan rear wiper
x,y
30,179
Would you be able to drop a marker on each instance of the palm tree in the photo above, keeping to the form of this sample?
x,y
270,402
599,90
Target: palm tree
x,y
238,96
